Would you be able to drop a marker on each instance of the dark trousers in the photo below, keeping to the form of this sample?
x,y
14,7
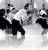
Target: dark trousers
x,y
43,23
17,42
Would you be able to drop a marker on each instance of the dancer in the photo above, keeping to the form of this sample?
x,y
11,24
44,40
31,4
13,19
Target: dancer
x,y
3,21
20,15
42,19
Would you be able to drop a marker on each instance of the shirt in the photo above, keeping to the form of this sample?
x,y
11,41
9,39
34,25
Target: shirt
x,y
10,17
43,12
20,15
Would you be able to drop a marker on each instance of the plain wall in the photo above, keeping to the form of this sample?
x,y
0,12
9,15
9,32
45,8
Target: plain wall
x,y
46,5
40,2
18,4
2,4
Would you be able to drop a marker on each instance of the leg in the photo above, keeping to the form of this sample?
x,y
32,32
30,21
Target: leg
x,y
20,29
20,40
17,27
14,37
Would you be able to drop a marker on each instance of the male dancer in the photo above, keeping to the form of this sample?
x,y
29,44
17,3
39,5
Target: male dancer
x,y
20,15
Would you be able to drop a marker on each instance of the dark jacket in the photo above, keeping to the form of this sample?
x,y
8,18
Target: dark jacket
x,y
42,22
4,23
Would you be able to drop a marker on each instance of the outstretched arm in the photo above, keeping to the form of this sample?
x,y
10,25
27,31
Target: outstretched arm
x,y
27,16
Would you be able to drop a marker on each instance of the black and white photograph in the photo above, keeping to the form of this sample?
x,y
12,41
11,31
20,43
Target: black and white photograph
x,y
23,24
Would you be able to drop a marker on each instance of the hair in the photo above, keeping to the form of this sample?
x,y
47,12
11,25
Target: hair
x,y
26,6
9,5
13,8
2,12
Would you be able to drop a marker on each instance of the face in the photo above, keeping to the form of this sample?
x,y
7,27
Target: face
x,y
14,11
30,7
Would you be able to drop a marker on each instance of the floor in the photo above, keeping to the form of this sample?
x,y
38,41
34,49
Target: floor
x,y
33,34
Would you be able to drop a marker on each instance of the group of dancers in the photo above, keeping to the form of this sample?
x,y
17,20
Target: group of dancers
x,y
12,20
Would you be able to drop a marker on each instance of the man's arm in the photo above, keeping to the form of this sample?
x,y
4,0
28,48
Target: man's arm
x,y
29,15
26,17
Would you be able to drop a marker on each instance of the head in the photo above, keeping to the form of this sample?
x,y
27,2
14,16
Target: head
x,y
9,5
2,12
28,7
43,6
13,10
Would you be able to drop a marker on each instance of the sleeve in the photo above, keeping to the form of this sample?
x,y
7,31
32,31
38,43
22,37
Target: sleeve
x,y
24,16
37,21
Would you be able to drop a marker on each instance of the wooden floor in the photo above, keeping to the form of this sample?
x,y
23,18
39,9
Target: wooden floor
x,y
33,35
34,40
